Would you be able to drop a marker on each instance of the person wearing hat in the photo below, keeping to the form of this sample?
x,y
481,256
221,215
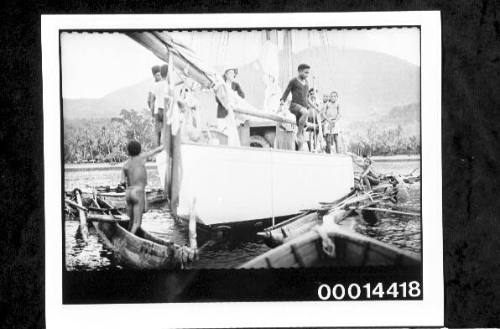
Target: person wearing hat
x,y
229,77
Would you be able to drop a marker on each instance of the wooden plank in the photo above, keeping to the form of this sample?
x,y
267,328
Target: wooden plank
x,y
74,204
104,218
176,171
297,256
83,217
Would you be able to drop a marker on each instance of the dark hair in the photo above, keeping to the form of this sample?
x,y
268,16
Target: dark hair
x,y
303,67
133,148
155,69
164,70
235,70
311,90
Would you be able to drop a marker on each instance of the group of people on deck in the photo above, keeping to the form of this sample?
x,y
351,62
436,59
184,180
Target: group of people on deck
x,y
306,108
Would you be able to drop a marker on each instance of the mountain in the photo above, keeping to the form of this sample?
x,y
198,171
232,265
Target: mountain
x,y
369,84
131,97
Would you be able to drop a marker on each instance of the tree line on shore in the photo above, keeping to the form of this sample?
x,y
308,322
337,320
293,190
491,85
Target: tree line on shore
x,y
105,140
384,141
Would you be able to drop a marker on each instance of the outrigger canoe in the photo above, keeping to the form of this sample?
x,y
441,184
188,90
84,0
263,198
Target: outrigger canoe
x,y
117,199
142,250
333,246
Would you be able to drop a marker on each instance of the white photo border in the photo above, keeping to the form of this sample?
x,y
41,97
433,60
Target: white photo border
x,y
427,312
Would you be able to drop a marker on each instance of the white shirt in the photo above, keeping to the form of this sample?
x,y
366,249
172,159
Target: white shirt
x,y
160,91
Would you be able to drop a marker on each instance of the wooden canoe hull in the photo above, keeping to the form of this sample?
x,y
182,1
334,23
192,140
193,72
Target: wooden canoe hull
x,y
117,199
351,250
294,227
239,184
142,251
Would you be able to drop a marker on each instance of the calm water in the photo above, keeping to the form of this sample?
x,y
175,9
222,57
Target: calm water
x,y
401,231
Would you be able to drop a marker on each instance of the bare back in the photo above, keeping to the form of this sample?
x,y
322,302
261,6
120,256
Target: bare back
x,y
135,171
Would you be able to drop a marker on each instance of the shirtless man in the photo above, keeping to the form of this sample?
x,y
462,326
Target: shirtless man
x,y
135,177
368,176
299,88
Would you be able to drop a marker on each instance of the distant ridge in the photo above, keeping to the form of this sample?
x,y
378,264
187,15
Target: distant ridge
x,y
110,105
368,83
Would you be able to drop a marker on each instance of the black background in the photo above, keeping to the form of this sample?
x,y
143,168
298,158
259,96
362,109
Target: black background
x,y
220,285
470,113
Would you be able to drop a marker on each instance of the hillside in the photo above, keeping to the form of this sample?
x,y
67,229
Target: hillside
x,y
369,83
407,117
132,97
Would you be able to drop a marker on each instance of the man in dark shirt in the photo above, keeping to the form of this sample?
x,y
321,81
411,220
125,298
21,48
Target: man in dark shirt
x,y
229,76
299,88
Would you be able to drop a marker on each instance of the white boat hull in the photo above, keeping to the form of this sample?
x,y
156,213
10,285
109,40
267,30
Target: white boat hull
x,y
240,184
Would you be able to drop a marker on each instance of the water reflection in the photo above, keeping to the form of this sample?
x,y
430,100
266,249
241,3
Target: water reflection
x,y
398,230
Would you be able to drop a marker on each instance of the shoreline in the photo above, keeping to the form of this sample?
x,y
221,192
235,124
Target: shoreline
x,y
69,167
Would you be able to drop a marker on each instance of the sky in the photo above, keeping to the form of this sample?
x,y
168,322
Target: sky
x,y
96,64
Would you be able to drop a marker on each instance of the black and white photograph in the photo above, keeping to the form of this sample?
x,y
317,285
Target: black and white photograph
x,y
244,146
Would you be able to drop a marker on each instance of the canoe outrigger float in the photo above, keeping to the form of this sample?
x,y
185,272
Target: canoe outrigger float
x,y
357,202
116,198
224,185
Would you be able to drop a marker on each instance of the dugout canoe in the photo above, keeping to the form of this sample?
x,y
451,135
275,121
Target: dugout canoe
x,y
333,246
142,250
117,200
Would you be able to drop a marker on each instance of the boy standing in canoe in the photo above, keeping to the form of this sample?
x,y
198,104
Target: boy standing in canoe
x,y
135,177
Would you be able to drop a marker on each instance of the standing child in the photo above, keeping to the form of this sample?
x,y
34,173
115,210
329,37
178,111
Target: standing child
x,y
135,177
331,124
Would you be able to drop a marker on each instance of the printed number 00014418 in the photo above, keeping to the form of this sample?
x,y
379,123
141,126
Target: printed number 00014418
x,y
355,291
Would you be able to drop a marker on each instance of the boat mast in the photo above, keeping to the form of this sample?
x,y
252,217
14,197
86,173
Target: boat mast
x,y
286,63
